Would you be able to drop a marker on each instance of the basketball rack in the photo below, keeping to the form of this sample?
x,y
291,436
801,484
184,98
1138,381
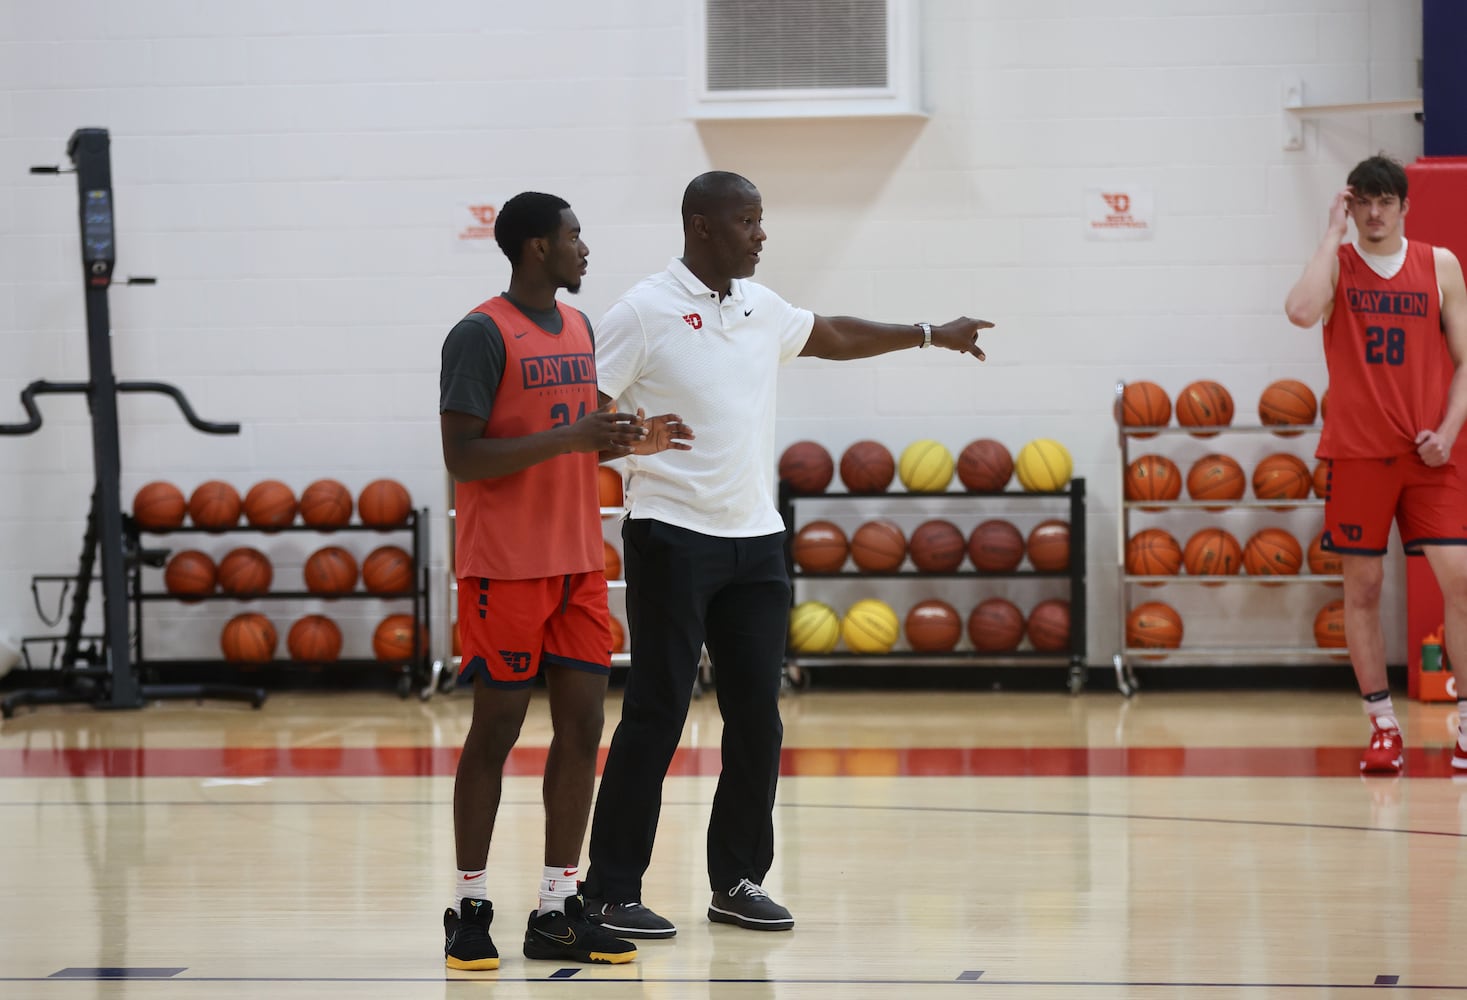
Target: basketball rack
x,y
104,673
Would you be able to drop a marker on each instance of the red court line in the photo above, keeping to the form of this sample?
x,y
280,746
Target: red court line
x,y
944,762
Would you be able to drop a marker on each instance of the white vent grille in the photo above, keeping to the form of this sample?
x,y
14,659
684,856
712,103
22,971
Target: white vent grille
x,y
803,58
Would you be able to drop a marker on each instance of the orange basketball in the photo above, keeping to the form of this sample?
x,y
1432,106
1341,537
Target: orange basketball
x,y
270,504
1049,546
618,635
933,626
326,504
1282,476
1329,626
1153,477
331,570
608,486
314,639
388,570
1216,477
384,503
1204,404
879,546
985,466
996,626
159,507
244,571
1153,552
393,638
214,506
613,561
1049,626
867,467
807,467
1145,404
1321,562
1321,479
1287,401
996,546
1212,552
820,547
1272,552
1154,625
937,546
248,638
190,573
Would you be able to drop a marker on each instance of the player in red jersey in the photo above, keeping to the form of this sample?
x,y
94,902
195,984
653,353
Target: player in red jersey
x,y
522,431
1395,337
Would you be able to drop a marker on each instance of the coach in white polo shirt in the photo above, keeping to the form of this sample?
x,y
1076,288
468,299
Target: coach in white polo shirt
x,y
703,545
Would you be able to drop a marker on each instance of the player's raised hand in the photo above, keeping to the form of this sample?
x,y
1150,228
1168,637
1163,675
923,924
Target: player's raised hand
x,y
664,431
608,432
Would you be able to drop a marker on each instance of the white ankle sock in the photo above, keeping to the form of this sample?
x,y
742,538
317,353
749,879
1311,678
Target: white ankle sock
x,y
555,885
469,885
1462,723
1381,711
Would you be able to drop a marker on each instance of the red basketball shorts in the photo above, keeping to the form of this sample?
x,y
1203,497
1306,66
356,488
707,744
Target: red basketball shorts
x,y
1428,504
508,628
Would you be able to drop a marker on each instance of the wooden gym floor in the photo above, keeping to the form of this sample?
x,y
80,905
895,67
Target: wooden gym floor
x,y
1212,845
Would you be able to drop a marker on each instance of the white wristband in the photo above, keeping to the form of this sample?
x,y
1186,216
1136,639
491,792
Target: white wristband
x,y
926,329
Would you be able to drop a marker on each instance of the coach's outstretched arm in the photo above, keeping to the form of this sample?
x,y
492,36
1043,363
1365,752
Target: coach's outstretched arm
x,y
845,338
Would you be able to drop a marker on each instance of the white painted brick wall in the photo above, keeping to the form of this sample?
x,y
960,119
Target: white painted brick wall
x,y
293,173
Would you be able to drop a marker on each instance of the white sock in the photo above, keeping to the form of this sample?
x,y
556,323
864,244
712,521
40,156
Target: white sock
x,y
556,884
1378,706
1462,723
469,885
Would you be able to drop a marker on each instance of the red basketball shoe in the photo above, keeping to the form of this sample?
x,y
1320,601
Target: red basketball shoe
x,y
1385,752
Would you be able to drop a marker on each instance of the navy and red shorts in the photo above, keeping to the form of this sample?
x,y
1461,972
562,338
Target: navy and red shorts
x,y
1428,504
509,628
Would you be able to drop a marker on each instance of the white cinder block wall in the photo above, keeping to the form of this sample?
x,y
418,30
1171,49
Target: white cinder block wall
x,y
295,174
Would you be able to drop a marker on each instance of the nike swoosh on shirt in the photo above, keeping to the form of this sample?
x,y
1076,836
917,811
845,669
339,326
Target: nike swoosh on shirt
x,y
748,312
520,334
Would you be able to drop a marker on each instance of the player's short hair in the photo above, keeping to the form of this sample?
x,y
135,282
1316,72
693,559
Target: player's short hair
x,y
1377,176
530,215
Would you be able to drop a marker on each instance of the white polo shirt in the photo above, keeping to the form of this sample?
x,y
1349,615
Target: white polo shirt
x,y
670,346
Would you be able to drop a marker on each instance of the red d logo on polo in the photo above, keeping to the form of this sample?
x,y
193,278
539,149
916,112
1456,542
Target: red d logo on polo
x,y
694,320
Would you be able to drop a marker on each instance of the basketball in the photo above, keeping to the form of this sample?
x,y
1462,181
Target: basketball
x,y
1153,552
190,573
1216,477
1272,552
214,506
814,628
1329,626
1322,562
331,570
933,626
1153,625
1049,626
879,546
245,571
159,507
820,547
1153,477
867,467
926,466
1282,477
1212,552
1145,404
608,486
618,634
1204,404
384,503
388,570
937,546
1321,479
985,466
314,639
870,626
996,626
1044,466
392,640
807,467
996,546
326,504
613,561
1287,401
1049,546
248,638
270,504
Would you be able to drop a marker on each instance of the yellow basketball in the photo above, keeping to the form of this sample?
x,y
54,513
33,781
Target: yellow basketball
x,y
1043,466
926,467
814,628
870,626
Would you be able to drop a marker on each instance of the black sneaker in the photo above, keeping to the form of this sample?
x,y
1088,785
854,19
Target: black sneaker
x,y
466,938
631,919
570,937
748,905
